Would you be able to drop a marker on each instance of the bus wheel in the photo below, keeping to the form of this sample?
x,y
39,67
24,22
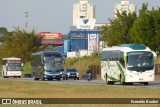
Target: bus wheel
x,y
58,79
146,83
42,77
122,82
35,78
108,82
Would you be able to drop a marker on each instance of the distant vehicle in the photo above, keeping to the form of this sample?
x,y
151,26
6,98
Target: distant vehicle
x,y
12,67
128,63
89,76
70,73
47,65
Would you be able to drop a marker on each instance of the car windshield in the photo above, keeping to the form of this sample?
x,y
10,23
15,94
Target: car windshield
x,y
14,67
71,70
140,61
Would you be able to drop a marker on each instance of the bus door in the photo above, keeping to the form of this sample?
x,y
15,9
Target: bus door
x,y
114,57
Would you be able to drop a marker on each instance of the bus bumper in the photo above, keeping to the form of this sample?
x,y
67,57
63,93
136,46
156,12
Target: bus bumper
x,y
139,79
53,76
13,74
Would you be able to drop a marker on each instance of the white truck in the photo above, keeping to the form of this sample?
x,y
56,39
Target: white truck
x,y
12,67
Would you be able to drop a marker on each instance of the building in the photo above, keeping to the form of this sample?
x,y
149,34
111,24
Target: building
x,y
125,6
83,9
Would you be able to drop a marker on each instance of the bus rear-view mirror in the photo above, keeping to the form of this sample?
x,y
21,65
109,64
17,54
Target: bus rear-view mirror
x,y
125,56
155,56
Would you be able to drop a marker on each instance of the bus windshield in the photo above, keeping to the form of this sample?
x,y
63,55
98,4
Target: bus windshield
x,y
14,67
58,61
48,64
140,61
52,64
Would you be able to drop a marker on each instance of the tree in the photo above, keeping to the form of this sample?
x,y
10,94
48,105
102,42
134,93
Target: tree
x,y
3,31
143,30
118,31
21,44
156,17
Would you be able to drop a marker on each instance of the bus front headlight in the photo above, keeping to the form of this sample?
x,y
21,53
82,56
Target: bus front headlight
x,y
151,75
68,73
45,73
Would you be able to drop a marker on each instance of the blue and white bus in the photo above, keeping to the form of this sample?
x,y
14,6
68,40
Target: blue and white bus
x,y
128,63
47,65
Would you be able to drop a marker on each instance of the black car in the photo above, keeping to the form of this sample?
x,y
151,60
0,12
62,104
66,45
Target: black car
x,y
70,73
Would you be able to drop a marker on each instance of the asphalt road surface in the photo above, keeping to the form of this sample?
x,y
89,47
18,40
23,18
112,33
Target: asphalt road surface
x,y
85,82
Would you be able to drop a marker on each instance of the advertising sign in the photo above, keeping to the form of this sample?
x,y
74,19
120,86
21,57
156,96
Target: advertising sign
x,y
85,23
49,35
93,40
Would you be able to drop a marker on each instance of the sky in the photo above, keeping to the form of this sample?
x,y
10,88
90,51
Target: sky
x,y
55,15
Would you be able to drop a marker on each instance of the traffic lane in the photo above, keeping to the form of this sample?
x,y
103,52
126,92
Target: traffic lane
x,y
85,82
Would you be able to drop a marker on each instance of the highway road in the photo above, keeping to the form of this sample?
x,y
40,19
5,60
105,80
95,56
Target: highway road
x,y
84,82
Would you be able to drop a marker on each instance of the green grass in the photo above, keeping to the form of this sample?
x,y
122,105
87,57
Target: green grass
x,y
21,89
18,89
27,68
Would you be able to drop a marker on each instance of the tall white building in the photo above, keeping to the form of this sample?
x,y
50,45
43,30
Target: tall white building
x,y
83,9
125,6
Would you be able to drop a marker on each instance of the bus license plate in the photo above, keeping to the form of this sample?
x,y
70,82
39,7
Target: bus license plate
x,y
140,78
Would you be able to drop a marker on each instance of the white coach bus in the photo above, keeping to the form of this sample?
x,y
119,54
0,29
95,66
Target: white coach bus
x,y
128,63
11,67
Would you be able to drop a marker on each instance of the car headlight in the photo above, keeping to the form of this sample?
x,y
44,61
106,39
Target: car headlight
x,y
68,73
61,72
77,73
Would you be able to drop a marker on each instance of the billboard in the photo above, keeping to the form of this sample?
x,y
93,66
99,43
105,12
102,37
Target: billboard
x,y
49,35
93,40
85,23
